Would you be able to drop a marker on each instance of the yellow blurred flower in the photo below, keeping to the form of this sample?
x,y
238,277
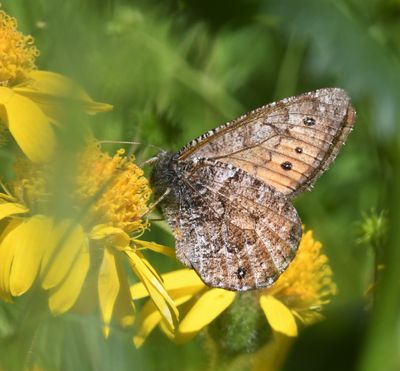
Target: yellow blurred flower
x,y
297,296
106,200
31,101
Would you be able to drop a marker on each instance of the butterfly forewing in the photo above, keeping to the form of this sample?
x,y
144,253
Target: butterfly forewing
x,y
237,232
287,144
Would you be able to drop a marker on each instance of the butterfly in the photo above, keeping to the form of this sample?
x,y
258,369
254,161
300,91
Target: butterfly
x,y
227,195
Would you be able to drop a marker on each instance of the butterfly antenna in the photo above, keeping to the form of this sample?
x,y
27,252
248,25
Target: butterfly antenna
x,y
150,161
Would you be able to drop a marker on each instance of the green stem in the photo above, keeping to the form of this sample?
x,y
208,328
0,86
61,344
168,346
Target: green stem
x,y
381,348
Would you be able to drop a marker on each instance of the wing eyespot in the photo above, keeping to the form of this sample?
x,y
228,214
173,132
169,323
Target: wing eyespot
x,y
309,121
241,273
286,165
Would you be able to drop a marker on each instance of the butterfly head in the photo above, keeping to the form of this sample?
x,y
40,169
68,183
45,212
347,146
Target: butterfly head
x,y
163,174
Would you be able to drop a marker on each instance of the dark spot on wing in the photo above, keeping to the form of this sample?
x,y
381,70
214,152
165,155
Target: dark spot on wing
x,y
241,273
286,165
309,121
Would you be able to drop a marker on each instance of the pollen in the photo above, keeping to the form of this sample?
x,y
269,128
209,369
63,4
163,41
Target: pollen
x,y
111,189
30,187
118,187
307,284
17,52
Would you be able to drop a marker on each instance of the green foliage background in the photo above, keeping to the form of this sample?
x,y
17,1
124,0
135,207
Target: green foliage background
x,y
175,69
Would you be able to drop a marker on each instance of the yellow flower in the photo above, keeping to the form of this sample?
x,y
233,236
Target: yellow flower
x,y
31,101
297,296
82,250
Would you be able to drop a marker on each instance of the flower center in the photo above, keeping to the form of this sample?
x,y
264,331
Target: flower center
x,y
307,283
122,190
17,52
102,189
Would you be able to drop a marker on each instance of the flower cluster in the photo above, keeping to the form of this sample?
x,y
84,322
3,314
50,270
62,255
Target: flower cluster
x,y
101,227
72,231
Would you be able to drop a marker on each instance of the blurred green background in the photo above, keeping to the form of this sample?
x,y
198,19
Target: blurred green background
x,y
175,69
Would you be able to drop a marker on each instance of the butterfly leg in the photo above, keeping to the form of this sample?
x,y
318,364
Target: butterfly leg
x,y
155,203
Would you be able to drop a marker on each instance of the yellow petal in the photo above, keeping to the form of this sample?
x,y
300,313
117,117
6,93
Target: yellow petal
x,y
157,291
124,308
168,251
28,251
67,240
139,291
151,269
118,238
11,208
108,288
165,329
209,306
183,278
179,279
4,197
64,296
28,124
278,315
177,337
8,242
46,86
150,316
180,297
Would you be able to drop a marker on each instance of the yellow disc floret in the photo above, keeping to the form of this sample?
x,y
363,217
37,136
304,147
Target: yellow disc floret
x,y
17,52
117,186
307,284
111,190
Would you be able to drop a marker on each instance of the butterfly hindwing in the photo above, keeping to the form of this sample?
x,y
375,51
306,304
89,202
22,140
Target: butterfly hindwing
x,y
235,231
287,144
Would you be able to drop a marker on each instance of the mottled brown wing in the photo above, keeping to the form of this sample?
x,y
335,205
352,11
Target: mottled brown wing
x,y
287,144
237,232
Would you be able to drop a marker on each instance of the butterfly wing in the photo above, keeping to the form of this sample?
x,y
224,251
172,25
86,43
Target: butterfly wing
x,y
287,144
237,232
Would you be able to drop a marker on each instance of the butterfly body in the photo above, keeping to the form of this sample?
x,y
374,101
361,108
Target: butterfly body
x,y
230,190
